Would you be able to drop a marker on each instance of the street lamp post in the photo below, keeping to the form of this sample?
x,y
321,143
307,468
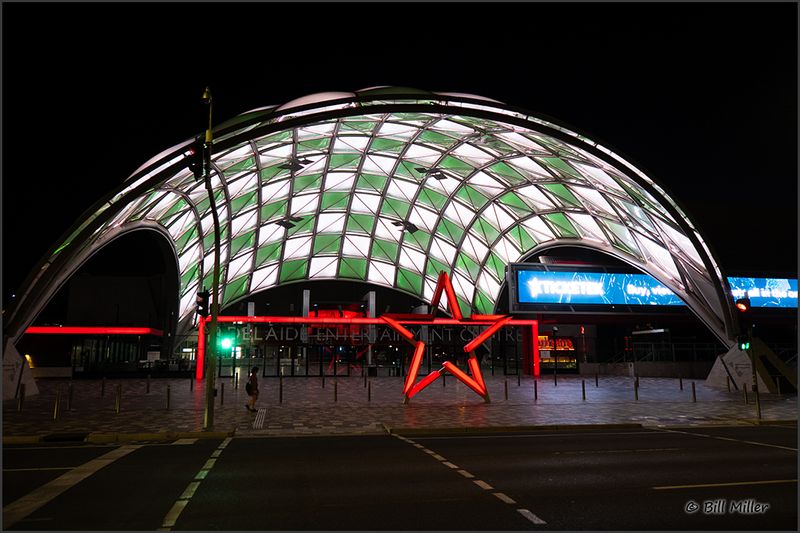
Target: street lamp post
x,y
211,367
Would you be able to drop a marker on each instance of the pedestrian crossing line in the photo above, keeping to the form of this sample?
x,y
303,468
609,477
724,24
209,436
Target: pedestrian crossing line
x,y
183,500
261,416
504,498
530,516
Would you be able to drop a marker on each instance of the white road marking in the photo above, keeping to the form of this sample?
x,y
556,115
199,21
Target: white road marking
x,y
530,516
504,498
189,492
15,511
38,469
438,457
216,453
729,439
420,446
448,464
185,441
209,464
733,484
483,484
258,423
174,513
578,452
465,473
529,435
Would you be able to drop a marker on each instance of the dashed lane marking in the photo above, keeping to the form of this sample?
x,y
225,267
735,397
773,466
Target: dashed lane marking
x,y
482,484
174,513
448,464
530,516
185,441
504,498
465,474
21,508
438,457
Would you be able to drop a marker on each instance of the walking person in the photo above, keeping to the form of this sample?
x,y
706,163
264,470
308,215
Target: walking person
x,y
252,390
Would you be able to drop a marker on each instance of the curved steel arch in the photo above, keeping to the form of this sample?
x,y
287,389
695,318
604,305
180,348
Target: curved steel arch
x,y
511,184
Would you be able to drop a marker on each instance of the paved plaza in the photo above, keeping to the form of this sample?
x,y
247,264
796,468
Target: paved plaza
x,y
344,405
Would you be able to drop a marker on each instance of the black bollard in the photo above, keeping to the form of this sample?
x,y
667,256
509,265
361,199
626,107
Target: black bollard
x,y
222,393
506,388
680,382
596,380
191,384
694,394
744,388
365,376
69,396
369,391
535,390
335,391
118,404
148,383
236,381
21,397
778,385
57,403
555,377
519,377
323,380
168,397
583,389
280,389
444,380
636,390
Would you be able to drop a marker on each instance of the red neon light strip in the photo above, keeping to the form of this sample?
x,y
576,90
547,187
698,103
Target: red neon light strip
x,y
488,332
201,349
89,330
427,380
399,329
414,368
465,379
475,369
452,301
437,293
535,348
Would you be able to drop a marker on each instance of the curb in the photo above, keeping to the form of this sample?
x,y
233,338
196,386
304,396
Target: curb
x,y
506,429
103,438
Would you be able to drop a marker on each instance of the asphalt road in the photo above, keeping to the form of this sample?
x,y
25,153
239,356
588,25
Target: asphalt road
x,y
559,480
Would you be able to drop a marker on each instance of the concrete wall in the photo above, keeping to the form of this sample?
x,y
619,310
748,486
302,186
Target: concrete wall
x,y
650,369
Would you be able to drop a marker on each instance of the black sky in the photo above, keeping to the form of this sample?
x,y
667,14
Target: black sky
x,y
703,97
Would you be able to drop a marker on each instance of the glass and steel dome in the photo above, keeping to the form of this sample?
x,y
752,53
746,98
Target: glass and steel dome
x,y
391,186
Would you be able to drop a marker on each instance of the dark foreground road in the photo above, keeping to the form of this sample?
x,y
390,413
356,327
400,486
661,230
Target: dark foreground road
x,y
564,480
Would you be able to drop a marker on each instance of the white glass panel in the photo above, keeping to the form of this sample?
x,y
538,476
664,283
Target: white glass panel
x,y
264,277
397,131
378,164
323,267
401,189
595,199
316,130
487,184
423,218
449,125
240,265
386,230
187,302
317,166
520,141
188,257
445,186
429,287
412,259
459,213
305,204
167,201
275,190
270,233
234,155
339,181
208,260
540,230
330,222
588,227
242,185
683,243
295,248
422,154
350,143
365,203
355,245
497,217
244,222
472,155
181,223
474,248
536,197
442,251
660,256
381,273
463,287
207,223
488,284
599,175
506,250
528,167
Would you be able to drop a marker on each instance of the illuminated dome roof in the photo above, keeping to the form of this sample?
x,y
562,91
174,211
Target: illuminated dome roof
x,y
390,186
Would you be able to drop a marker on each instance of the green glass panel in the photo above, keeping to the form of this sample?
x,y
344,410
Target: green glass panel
x,y
269,253
274,138
622,236
468,266
466,308
384,250
411,116
449,230
407,169
456,166
559,164
562,224
235,289
304,226
504,171
334,200
483,303
432,198
365,126
395,208
434,137
202,205
352,268
435,266
308,181
188,277
177,206
208,280
243,241
517,205
188,236
387,145
293,269
419,238
486,230
240,203
496,265
315,144
240,166
327,244
563,193
472,196
274,209
371,182
409,281
270,172
521,236
344,161
360,223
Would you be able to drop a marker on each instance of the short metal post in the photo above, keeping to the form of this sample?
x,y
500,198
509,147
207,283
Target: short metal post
x,y
103,387
168,391
335,391
535,390
365,376
744,388
555,376
444,380
694,394
583,389
236,381
519,377
21,397
777,384
596,380
758,401
118,403
280,389
191,384
148,383
70,389
636,390
57,403
505,383
369,391
222,393
728,382
323,380
680,382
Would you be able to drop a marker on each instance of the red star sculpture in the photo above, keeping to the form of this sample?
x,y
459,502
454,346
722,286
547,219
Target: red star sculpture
x,y
475,382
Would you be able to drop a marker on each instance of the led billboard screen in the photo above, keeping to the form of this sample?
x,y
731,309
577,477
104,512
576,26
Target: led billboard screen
x,y
765,292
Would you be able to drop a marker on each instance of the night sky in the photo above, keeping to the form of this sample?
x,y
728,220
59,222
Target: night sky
x,y
702,97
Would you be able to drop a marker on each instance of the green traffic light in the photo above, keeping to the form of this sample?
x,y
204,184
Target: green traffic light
x,y
226,343
744,345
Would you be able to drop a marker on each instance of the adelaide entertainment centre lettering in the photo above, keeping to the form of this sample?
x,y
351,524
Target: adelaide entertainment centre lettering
x,y
362,335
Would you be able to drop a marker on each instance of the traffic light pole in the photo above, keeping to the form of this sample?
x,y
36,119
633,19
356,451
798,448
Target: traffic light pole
x,y
211,346
752,355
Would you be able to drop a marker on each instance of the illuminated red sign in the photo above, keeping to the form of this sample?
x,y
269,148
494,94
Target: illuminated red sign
x,y
562,343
